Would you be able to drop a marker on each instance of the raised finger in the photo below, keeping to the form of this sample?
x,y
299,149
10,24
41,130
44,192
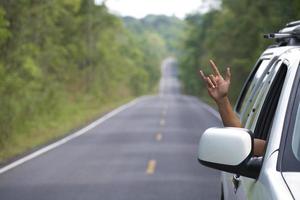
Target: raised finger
x,y
210,83
213,79
202,75
214,67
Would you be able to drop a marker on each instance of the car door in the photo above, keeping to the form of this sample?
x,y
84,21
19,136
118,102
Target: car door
x,y
260,114
251,86
257,111
289,157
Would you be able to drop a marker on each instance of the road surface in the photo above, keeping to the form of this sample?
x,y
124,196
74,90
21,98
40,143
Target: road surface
x,y
147,151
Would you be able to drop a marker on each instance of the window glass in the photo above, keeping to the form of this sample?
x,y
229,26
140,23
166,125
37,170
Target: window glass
x,y
261,111
254,80
252,108
296,136
257,99
290,144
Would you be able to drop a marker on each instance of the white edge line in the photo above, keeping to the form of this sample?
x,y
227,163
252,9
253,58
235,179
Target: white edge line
x,y
68,138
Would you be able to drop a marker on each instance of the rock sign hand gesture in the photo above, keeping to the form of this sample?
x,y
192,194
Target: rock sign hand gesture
x,y
217,86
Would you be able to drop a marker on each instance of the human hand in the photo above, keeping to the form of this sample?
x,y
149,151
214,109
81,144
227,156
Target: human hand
x,y
217,86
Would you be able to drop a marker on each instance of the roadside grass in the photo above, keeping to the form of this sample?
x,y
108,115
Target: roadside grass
x,y
49,128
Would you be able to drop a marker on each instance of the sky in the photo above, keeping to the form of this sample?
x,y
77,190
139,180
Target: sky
x,y
141,8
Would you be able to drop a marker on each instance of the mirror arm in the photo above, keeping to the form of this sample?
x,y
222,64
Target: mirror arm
x,y
253,166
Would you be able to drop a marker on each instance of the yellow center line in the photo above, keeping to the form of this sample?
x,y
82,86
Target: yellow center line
x,y
162,122
164,113
158,136
151,167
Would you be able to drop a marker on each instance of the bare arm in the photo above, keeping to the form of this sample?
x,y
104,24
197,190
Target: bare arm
x,y
218,88
227,114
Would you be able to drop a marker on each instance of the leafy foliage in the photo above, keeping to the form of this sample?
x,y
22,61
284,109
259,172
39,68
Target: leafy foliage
x,y
169,29
158,36
57,55
232,36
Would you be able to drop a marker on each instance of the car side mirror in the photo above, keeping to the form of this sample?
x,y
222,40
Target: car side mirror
x,y
230,150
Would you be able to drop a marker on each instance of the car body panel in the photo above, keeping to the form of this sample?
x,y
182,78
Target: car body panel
x,y
293,181
270,183
276,130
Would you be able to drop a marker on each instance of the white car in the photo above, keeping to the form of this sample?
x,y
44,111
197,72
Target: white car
x,y
269,109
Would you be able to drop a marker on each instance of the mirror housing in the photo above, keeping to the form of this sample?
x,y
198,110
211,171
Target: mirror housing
x,y
230,150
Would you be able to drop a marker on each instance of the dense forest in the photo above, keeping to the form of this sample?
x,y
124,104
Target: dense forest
x,y
233,36
64,62
168,30
159,36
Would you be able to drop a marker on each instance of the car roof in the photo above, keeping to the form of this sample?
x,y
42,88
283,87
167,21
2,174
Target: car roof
x,y
269,53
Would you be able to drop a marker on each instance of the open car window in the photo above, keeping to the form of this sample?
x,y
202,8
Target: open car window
x,y
265,101
252,81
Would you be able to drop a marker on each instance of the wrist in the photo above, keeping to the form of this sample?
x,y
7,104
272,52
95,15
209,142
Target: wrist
x,y
222,101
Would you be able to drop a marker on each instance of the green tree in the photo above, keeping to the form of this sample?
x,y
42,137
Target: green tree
x,y
232,36
59,57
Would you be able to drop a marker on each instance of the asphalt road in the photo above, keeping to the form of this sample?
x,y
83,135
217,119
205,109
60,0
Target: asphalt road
x,y
146,152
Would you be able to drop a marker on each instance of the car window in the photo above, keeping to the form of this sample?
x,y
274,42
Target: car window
x,y
296,136
257,100
254,103
265,102
251,83
264,121
250,113
290,144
